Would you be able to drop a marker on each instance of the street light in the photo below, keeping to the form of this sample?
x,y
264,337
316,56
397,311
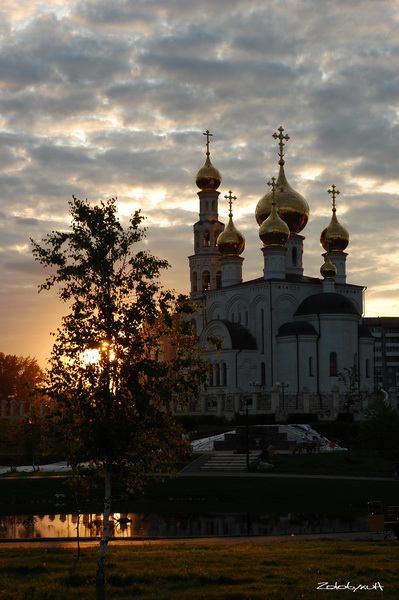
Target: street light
x,y
282,385
246,406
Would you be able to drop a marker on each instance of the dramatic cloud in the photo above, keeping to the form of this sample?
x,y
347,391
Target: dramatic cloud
x,y
101,99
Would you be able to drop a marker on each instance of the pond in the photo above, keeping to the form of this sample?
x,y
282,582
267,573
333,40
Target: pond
x,y
136,525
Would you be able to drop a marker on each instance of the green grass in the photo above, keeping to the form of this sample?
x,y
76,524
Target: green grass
x,y
280,570
356,463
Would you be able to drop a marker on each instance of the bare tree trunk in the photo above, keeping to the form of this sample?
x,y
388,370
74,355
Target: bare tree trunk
x,y
100,575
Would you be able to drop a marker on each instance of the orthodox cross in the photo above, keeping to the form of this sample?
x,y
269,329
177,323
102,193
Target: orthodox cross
x,y
334,193
273,185
281,137
230,198
208,135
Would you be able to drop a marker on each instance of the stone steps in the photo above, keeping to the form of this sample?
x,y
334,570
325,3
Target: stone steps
x,y
227,462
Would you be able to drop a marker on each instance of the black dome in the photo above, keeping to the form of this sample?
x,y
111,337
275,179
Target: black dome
x,y
297,328
364,331
327,303
241,337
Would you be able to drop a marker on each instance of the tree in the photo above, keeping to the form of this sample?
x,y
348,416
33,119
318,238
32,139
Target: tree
x,y
350,379
109,373
379,431
19,377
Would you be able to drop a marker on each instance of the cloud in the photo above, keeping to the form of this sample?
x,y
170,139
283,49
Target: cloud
x,y
103,99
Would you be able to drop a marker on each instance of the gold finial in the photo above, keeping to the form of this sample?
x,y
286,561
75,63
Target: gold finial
x,y
334,193
230,198
281,144
208,135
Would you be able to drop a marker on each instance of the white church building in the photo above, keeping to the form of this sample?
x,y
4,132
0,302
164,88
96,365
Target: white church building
x,y
286,337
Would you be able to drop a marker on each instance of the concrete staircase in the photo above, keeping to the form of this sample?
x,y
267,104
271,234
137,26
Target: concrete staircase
x,y
227,461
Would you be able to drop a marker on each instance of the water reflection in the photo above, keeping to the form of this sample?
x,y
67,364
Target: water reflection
x,y
151,525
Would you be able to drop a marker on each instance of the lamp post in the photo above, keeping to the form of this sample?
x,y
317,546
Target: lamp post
x,y
253,384
282,385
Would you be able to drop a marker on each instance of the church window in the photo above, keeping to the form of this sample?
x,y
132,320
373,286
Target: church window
x,y
262,328
218,280
294,256
206,239
206,281
333,364
196,239
310,366
206,206
262,373
224,374
213,205
217,373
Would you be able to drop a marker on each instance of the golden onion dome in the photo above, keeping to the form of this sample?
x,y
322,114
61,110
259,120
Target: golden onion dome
x,y
328,270
334,238
231,242
274,231
291,205
208,177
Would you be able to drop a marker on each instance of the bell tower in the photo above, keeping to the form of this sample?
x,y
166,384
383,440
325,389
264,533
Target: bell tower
x,y
205,266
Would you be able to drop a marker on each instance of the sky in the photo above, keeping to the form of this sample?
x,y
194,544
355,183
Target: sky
x,y
103,99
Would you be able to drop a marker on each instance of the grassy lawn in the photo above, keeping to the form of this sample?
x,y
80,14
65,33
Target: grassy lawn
x,y
356,463
288,570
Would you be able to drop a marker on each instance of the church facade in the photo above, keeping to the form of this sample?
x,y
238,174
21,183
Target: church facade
x,y
291,344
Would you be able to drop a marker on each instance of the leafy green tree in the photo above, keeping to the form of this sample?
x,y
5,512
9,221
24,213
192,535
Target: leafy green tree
x,y
19,376
125,352
379,432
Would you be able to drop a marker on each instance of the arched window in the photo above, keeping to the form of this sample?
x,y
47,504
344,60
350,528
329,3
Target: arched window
x,y
333,364
206,281
217,373
294,256
213,205
310,362
206,239
224,374
218,280
262,373
195,281
196,239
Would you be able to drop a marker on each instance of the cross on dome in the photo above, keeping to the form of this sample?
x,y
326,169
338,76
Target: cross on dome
x,y
281,137
208,135
273,185
230,198
334,193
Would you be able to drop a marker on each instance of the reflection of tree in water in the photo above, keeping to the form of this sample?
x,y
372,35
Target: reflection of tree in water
x,y
140,525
